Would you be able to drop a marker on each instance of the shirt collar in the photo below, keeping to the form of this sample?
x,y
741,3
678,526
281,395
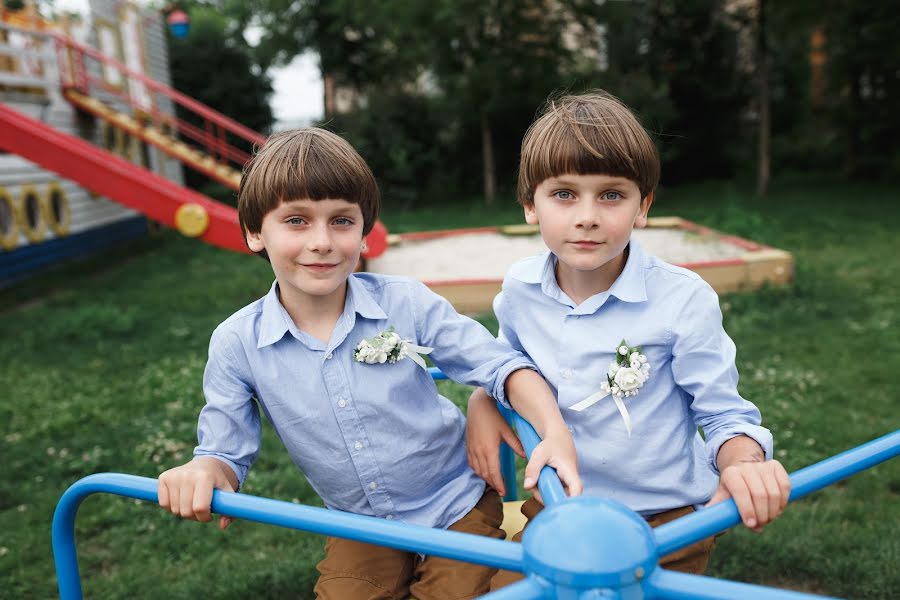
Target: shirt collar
x,y
274,320
361,301
629,286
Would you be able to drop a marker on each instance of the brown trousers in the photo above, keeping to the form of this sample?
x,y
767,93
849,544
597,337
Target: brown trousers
x,y
356,571
693,559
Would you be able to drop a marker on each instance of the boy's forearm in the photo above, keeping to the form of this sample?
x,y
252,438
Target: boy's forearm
x,y
739,449
533,399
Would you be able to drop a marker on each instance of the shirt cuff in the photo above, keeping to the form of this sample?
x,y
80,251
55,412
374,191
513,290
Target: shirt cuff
x,y
239,471
499,391
760,435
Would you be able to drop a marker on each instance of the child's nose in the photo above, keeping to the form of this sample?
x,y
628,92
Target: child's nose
x,y
320,239
587,216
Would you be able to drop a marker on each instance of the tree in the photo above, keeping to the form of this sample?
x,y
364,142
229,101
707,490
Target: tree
x,y
480,61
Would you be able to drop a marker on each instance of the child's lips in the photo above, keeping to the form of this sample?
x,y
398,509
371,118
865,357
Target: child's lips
x,y
320,267
587,244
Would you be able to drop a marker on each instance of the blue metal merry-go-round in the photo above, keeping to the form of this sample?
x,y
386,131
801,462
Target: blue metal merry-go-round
x,y
576,549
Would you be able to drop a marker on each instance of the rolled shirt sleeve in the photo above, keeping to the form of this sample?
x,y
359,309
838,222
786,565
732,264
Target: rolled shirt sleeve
x,y
703,365
463,348
229,424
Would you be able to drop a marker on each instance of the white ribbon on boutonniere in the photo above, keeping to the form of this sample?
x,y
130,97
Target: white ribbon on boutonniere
x,y
624,379
389,347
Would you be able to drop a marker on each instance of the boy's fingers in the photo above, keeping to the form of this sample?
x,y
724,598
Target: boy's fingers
x,y
720,495
495,475
200,506
784,483
760,496
774,492
162,493
570,480
225,522
512,440
186,503
739,490
174,500
534,466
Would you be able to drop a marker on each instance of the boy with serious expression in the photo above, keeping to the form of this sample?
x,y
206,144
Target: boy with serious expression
x,y
633,347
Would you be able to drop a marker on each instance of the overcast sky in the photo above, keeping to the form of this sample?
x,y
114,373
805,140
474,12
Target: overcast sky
x,y
298,97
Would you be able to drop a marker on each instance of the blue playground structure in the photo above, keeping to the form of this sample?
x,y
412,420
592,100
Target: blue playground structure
x,y
576,549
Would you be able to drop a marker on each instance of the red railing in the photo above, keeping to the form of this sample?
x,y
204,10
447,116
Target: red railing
x,y
212,137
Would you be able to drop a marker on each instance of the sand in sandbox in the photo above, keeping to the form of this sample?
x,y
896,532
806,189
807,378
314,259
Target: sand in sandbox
x,y
487,255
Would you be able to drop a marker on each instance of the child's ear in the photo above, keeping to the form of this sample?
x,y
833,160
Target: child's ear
x,y
255,242
531,215
640,221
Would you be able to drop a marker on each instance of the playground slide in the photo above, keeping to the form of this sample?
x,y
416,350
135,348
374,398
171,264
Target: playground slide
x,y
119,180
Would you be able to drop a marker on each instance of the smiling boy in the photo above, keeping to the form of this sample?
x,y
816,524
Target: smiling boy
x,y
371,433
633,347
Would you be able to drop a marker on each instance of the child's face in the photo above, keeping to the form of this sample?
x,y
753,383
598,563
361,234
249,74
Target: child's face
x,y
313,246
586,221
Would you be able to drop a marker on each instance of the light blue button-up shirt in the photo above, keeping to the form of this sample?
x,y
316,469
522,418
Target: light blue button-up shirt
x,y
674,316
372,439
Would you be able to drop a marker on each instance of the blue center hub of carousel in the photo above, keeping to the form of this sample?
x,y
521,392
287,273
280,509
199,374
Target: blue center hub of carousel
x,y
589,543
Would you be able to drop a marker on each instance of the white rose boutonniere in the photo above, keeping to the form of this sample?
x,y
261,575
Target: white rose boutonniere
x,y
625,376
389,347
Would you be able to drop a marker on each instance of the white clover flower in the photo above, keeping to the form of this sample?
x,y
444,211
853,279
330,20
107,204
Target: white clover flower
x,y
623,350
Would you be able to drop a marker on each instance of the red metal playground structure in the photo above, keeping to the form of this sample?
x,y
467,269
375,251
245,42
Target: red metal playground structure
x,y
198,137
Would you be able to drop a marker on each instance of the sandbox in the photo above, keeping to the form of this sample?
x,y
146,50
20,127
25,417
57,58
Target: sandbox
x,y
466,266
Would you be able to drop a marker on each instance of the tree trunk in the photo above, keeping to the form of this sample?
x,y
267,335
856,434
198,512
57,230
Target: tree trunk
x,y
328,93
851,164
765,125
487,159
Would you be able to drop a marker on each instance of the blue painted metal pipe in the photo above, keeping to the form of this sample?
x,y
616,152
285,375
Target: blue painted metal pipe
x,y
527,589
715,519
414,538
681,586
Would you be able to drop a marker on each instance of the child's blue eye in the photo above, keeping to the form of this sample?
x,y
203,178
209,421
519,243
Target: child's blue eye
x,y
563,195
295,221
343,221
612,196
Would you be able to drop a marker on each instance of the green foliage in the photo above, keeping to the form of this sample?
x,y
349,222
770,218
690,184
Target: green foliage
x,y
398,135
676,64
214,65
103,373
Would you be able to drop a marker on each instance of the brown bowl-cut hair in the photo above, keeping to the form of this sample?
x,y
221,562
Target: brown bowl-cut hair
x,y
586,134
305,164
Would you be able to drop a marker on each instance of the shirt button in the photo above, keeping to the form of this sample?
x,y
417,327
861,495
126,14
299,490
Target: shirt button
x,y
390,517
342,403
571,429
358,445
567,373
328,356
373,485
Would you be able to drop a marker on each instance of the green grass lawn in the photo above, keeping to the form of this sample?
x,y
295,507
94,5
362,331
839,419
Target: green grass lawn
x,y
101,368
